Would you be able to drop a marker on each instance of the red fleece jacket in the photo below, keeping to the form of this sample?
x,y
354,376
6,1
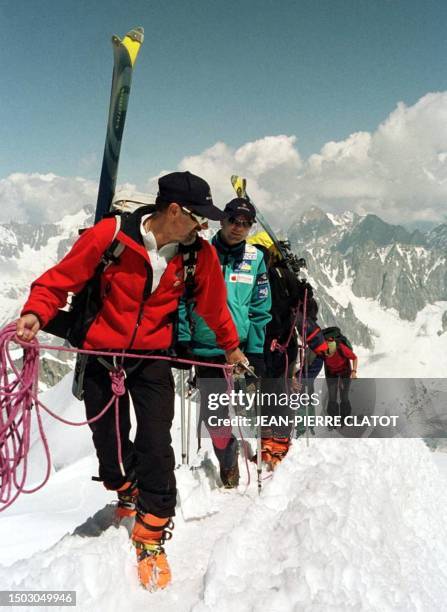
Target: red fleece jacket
x,y
339,362
124,315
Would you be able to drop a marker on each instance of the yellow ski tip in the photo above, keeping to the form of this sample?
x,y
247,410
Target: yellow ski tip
x,y
132,41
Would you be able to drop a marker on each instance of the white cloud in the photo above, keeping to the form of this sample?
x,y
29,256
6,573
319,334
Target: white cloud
x,y
43,198
271,166
398,172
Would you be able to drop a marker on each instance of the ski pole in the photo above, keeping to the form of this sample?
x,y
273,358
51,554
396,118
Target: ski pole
x,y
305,352
188,427
259,428
182,415
259,442
246,367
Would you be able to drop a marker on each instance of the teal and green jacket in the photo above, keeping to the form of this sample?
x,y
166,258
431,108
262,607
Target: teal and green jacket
x,y
248,299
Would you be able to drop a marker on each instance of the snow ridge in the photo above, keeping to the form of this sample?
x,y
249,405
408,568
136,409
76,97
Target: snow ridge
x,y
353,525
342,525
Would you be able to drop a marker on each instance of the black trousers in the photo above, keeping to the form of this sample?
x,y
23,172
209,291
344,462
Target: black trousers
x,y
150,456
342,383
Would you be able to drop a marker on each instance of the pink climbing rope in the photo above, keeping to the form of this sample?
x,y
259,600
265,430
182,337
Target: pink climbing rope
x,y
19,400
282,348
303,338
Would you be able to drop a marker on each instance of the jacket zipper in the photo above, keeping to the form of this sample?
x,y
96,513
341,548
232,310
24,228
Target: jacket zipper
x,y
147,290
137,325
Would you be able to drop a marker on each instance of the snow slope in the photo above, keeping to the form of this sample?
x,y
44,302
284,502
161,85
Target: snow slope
x,y
356,526
342,525
402,349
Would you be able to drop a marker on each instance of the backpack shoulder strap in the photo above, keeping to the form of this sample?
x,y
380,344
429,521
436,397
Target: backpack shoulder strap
x,y
113,252
189,255
343,340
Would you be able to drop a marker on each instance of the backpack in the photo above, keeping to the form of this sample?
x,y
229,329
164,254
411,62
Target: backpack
x,y
335,333
74,323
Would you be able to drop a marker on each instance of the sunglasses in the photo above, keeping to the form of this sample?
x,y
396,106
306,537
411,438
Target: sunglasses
x,y
239,223
197,218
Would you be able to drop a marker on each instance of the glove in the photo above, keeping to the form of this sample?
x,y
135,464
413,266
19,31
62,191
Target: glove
x,y
257,363
302,287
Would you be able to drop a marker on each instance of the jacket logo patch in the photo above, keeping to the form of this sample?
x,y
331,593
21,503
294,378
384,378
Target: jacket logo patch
x,y
263,291
241,278
250,256
244,266
246,278
262,279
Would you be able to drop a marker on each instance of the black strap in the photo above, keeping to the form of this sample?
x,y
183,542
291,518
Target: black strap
x,y
189,254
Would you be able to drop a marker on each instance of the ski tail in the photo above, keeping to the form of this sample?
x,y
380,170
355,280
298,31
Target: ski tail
x,y
125,54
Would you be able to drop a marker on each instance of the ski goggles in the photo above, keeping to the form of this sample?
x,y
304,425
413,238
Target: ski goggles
x,y
239,223
197,218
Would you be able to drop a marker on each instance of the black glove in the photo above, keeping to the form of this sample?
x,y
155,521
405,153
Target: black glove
x,y
257,362
302,287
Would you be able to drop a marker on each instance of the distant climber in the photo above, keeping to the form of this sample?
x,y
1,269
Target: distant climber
x,y
339,371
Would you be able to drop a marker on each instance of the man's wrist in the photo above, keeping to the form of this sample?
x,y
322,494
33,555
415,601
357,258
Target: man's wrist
x,y
231,350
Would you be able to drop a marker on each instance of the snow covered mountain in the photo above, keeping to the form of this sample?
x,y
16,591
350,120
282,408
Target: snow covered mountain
x,y
25,252
362,263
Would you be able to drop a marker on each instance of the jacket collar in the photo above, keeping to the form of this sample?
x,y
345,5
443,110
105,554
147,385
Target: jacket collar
x,y
131,223
130,233
236,251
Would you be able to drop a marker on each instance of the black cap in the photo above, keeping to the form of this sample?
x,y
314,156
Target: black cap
x,y
240,206
191,191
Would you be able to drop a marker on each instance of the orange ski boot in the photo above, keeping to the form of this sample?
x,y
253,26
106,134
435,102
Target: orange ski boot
x,y
266,450
148,536
127,499
279,449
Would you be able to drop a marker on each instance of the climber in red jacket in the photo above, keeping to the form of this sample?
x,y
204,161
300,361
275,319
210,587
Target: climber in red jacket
x,y
339,372
140,294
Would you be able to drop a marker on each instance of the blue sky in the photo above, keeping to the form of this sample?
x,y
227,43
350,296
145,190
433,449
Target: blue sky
x,y
209,71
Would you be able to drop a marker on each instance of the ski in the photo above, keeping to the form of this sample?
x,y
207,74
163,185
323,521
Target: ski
x,y
295,265
125,53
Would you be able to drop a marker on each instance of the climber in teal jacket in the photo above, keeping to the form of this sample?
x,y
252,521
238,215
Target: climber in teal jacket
x,y
249,301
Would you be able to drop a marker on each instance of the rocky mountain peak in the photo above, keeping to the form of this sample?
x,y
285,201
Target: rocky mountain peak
x,y
437,238
373,229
